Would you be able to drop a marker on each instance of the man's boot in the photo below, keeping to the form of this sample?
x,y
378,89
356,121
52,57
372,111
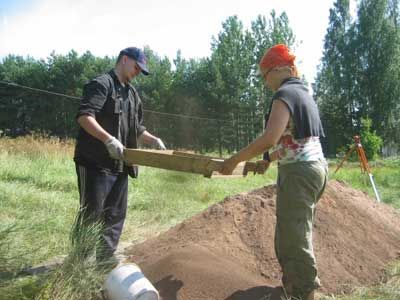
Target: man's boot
x,y
287,289
276,294
313,296
310,296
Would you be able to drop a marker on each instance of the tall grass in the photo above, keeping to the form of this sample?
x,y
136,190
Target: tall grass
x,y
386,175
38,193
79,276
389,289
387,179
39,201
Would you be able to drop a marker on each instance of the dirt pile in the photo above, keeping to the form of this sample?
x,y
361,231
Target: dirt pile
x,y
227,251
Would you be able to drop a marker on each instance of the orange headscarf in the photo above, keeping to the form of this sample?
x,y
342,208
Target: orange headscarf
x,y
276,56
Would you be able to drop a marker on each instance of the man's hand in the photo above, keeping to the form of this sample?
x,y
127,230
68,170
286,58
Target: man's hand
x,y
114,148
158,143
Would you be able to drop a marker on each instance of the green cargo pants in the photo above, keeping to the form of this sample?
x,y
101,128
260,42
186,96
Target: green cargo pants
x,y
299,187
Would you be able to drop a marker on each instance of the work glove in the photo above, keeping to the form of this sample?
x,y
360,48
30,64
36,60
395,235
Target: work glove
x,y
114,148
158,143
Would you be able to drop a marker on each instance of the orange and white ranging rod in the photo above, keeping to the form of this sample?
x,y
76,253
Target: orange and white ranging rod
x,y
363,163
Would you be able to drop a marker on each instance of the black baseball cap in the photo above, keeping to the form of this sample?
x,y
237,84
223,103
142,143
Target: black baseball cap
x,y
138,55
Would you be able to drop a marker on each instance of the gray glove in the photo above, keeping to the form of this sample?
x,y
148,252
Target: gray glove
x,y
158,143
114,148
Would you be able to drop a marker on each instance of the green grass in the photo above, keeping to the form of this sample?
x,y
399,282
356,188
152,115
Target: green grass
x,y
387,180
39,197
386,175
79,276
43,192
389,289
39,201
159,199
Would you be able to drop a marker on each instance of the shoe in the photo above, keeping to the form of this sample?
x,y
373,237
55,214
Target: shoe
x,y
278,293
313,296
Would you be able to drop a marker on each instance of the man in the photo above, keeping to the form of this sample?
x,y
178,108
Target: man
x,y
110,118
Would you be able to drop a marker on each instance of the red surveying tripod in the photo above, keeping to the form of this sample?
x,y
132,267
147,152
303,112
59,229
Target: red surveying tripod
x,y
363,163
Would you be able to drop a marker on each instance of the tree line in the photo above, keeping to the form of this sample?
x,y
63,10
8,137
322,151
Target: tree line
x,y
357,83
222,90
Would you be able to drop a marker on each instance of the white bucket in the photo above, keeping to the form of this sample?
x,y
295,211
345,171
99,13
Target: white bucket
x,y
127,282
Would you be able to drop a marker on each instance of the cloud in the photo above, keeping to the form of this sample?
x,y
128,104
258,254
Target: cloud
x,y
99,26
105,27
4,20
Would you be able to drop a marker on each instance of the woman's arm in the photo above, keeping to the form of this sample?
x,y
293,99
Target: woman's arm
x,y
277,122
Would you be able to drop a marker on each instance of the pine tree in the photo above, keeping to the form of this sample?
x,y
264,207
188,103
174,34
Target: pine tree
x,y
334,84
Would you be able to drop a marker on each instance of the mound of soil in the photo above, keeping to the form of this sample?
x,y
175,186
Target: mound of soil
x,y
227,251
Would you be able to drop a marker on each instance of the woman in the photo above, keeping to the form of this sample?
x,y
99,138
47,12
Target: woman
x,y
293,128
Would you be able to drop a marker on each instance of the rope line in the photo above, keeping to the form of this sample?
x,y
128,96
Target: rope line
x,y
38,90
79,98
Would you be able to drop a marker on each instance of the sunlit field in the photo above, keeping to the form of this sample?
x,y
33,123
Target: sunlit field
x,y
39,202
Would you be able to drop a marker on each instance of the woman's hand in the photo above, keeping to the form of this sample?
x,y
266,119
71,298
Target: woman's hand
x,y
228,166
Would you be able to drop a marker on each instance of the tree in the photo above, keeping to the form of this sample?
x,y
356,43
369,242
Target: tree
x,y
265,34
379,52
223,92
371,142
335,82
231,63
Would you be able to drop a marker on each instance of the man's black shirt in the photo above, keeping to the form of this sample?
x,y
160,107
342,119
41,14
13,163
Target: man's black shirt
x,y
118,109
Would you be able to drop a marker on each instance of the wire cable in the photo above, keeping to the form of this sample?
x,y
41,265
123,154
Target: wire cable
x,y
79,98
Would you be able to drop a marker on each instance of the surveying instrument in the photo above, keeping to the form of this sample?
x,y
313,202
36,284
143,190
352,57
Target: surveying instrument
x,y
363,163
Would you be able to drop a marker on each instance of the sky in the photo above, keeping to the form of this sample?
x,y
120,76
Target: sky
x,y
38,27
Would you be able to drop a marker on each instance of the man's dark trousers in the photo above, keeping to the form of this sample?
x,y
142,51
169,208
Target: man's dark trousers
x,y
103,198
